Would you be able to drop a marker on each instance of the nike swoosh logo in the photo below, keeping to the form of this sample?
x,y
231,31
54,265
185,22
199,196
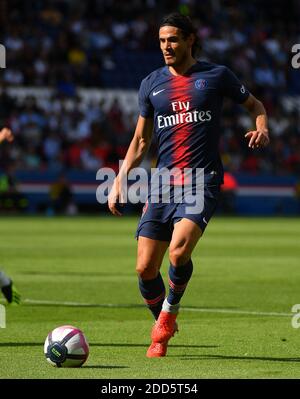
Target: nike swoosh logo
x,y
204,220
157,92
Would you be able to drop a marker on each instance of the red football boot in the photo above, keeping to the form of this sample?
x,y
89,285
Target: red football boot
x,y
165,327
157,349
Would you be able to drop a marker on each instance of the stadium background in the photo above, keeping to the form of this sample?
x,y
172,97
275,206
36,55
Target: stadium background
x,y
69,93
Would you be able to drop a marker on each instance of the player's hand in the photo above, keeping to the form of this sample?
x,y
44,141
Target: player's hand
x,y
258,138
114,199
6,134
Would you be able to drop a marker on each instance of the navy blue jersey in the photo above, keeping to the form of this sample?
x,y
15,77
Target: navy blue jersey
x,y
187,113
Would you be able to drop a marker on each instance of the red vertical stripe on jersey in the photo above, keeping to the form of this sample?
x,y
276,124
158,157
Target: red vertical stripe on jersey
x,y
180,87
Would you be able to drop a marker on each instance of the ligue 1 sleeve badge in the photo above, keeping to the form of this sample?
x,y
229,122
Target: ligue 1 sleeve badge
x,y
200,84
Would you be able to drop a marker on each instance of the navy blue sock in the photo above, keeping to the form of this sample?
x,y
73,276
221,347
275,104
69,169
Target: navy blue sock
x,y
178,278
153,292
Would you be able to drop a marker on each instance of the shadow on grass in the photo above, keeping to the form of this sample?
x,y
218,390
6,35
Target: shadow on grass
x,y
223,357
83,305
105,367
74,274
118,345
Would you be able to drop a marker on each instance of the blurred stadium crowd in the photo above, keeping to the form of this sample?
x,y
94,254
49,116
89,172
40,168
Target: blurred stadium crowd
x,y
67,44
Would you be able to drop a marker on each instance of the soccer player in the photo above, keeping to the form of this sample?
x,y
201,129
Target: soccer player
x,y
8,289
6,284
181,102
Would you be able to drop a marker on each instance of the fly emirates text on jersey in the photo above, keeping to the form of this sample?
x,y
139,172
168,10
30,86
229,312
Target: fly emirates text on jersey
x,y
182,115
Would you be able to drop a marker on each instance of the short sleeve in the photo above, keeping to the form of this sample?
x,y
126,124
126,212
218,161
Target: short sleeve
x,y
232,87
146,108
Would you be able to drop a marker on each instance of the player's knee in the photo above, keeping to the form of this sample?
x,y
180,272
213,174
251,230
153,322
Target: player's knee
x,y
179,256
146,271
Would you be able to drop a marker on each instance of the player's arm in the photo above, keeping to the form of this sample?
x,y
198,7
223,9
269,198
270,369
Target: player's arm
x,y
260,137
135,154
6,134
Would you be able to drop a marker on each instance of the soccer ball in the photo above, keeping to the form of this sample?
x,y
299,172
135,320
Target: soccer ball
x,y
66,346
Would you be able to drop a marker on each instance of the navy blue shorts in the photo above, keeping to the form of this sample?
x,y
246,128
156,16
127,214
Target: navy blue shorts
x,y
157,221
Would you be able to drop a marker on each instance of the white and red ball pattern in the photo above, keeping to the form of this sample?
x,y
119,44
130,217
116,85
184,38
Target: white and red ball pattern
x,y
66,346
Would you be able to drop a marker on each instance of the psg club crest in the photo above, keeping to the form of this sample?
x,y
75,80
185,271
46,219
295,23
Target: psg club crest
x,y
200,84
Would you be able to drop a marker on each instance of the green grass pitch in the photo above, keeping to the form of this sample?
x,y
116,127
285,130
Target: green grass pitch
x,y
235,320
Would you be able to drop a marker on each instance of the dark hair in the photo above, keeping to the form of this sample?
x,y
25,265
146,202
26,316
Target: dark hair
x,y
184,23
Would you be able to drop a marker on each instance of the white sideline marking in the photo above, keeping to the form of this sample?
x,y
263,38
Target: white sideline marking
x,y
111,305
248,312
